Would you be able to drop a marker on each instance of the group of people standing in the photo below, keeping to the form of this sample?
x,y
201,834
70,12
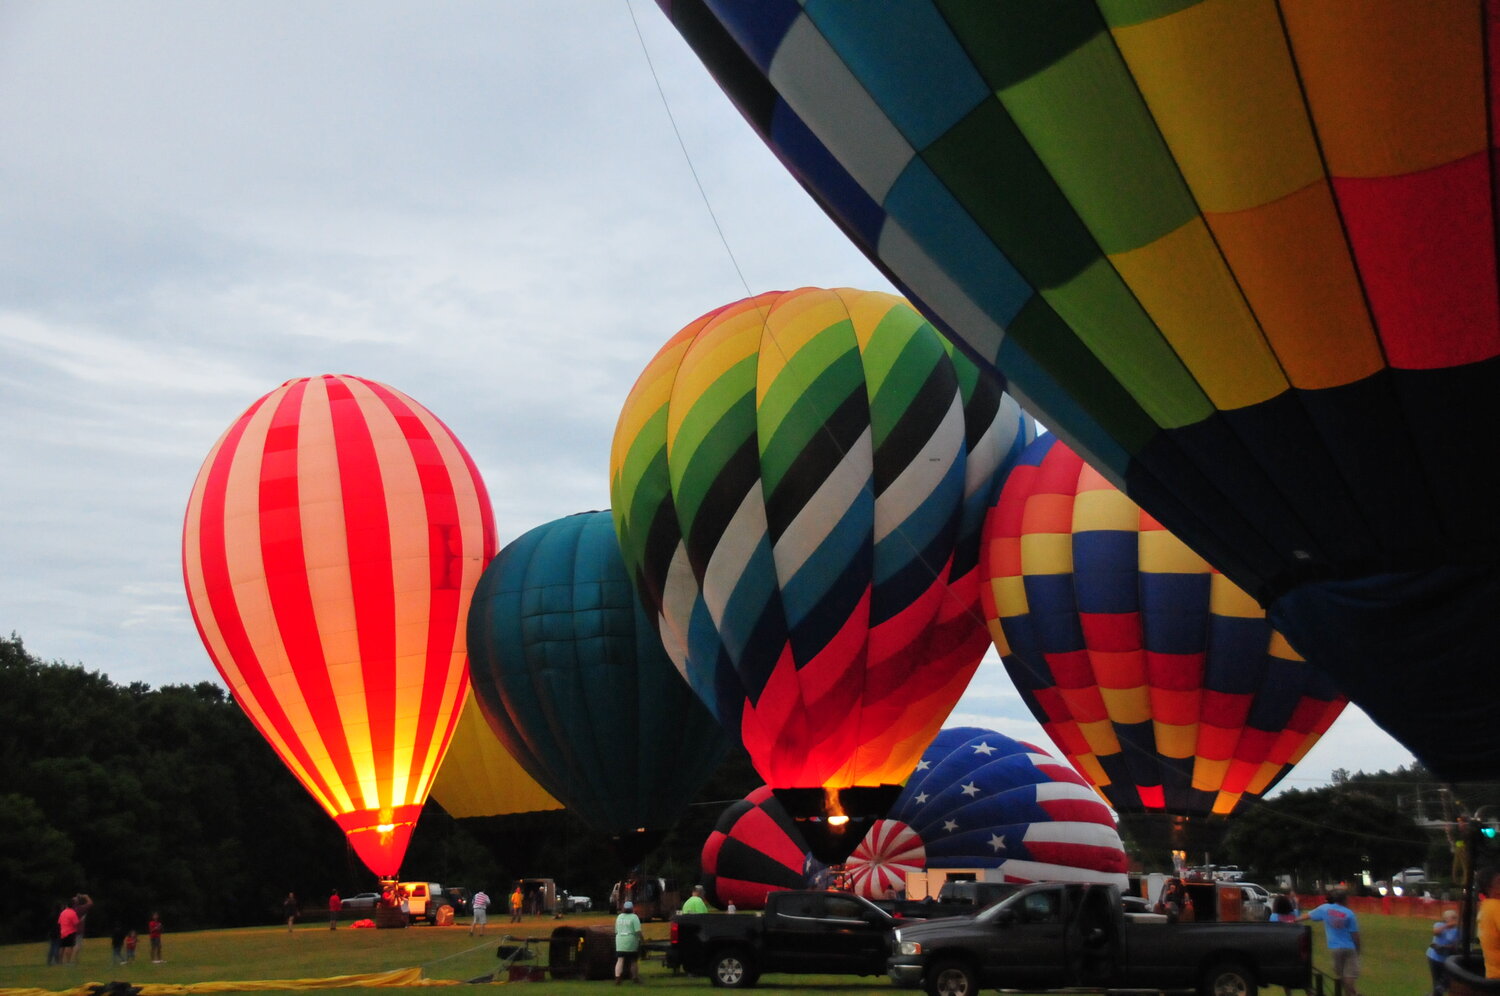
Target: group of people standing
x,y
1341,929
66,933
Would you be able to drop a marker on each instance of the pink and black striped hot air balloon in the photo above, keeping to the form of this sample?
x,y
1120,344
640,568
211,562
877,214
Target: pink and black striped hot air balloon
x,y
332,542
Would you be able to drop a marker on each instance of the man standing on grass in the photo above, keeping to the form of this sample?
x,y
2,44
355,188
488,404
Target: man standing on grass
x,y
1341,929
335,905
481,906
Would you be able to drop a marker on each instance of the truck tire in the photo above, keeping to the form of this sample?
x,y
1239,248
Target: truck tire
x,y
1228,978
952,978
732,968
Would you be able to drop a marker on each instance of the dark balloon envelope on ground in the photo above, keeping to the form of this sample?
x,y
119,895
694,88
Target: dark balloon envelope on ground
x,y
574,682
1240,255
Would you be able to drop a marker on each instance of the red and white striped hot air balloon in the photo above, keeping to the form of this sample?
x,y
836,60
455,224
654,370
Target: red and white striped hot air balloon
x,y
332,542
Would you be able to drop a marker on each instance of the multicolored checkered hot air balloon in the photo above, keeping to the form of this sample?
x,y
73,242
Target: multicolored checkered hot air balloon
x,y
797,480
1241,255
980,800
572,678
332,541
1161,681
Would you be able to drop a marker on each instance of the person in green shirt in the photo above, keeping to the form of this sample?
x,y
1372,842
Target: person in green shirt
x,y
627,944
695,903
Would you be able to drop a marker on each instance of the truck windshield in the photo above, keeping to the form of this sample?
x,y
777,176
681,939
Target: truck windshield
x,y
1035,906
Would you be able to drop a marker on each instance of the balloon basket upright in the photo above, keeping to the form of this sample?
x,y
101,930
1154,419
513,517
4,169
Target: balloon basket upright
x,y
834,821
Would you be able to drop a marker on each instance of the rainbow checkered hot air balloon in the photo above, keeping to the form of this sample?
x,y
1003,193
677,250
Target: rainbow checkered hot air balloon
x,y
1241,254
797,481
980,800
1160,680
332,541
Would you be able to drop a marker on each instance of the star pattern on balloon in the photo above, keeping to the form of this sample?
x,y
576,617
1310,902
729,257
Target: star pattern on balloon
x,y
1033,819
970,789
984,748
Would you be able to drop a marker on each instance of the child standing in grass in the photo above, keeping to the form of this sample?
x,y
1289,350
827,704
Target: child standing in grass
x,y
154,929
129,946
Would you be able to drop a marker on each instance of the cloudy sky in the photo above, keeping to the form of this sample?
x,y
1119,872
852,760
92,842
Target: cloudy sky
x,y
484,204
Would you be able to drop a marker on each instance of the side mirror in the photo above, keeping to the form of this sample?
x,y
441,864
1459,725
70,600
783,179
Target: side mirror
x,y
1005,917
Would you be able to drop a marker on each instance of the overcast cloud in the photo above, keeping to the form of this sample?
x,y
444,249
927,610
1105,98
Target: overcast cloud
x,y
483,204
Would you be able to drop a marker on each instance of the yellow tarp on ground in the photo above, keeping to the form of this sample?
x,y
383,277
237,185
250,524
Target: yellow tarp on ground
x,y
397,977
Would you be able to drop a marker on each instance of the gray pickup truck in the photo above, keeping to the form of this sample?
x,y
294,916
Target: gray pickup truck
x,y
1064,936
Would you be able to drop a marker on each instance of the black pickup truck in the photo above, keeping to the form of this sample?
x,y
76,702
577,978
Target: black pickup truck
x,y
1055,936
826,933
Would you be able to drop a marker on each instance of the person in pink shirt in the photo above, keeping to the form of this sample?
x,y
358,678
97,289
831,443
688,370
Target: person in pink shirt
x,y
67,932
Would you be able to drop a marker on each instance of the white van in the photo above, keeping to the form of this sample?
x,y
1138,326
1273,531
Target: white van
x,y
423,899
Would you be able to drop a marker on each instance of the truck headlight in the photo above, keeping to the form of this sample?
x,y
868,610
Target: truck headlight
x,y
909,947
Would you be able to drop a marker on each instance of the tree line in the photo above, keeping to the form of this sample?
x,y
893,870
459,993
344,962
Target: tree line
x,y
168,800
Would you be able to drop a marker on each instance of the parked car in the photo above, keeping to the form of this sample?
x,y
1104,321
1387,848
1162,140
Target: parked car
x,y
362,902
1060,935
1409,876
1256,902
654,897
575,904
457,897
824,933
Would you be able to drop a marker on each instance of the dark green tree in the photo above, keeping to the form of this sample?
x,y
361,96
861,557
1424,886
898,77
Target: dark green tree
x,y
1325,835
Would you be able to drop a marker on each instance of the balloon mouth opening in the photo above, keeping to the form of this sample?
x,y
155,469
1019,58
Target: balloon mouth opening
x,y
834,820
379,837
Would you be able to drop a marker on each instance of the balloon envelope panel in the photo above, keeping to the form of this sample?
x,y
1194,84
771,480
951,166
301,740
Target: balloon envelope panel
x,y
979,799
797,480
756,849
479,777
1159,679
573,680
332,541
1242,256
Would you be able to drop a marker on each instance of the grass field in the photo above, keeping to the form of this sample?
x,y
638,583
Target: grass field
x,y
1393,958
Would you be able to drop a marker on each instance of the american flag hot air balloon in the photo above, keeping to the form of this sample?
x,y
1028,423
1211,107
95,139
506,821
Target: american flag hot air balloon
x,y
980,800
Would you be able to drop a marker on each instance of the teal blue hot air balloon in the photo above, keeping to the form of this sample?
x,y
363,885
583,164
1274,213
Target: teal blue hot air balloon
x,y
572,677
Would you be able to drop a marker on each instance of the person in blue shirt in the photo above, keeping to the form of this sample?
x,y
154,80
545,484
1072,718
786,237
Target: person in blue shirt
x,y
1341,930
1445,941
